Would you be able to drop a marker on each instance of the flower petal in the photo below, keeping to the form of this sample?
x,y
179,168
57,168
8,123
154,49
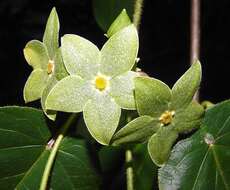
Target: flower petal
x,y
36,54
80,56
122,90
102,116
185,88
160,144
51,114
35,85
119,52
51,34
152,96
69,95
189,118
136,131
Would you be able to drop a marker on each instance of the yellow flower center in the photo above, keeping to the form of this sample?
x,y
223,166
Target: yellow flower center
x,y
50,66
101,82
167,117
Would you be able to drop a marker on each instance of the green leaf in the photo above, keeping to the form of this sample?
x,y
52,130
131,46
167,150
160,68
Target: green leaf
x,y
102,116
23,154
152,96
35,85
51,34
189,118
36,54
69,95
106,11
185,88
145,172
205,155
119,52
119,23
60,71
23,135
122,90
160,144
50,84
80,56
136,131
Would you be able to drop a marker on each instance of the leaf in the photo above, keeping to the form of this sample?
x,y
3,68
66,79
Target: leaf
x,y
35,85
80,56
119,23
205,155
102,116
152,96
120,51
23,154
23,136
36,54
122,90
69,95
136,131
145,172
51,34
106,11
160,144
185,88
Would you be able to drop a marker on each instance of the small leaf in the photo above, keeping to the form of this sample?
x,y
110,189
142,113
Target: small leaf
x,y
152,96
102,116
136,131
36,54
205,155
35,85
120,51
189,118
185,88
122,90
51,34
69,95
160,144
80,56
119,23
106,11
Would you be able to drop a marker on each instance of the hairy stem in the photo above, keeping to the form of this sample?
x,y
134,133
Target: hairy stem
x,y
53,152
129,170
137,12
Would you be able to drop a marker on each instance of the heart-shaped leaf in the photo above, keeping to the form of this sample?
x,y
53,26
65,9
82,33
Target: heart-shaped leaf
x,y
201,161
23,154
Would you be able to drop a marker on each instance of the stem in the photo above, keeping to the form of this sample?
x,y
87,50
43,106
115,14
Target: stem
x,y
129,170
137,13
195,34
53,152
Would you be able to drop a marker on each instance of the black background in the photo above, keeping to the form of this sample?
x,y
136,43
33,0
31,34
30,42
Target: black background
x,y
164,40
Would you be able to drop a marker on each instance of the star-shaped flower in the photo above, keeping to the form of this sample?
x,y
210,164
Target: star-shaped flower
x,y
100,82
45,58
164,113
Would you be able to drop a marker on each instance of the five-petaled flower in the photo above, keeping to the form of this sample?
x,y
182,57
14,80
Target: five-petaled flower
x,y
100,82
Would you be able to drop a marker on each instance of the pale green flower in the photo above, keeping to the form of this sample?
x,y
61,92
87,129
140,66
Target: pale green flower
x,y
100,82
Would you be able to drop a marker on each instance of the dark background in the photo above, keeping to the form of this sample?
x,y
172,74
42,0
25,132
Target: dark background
x,y
164,40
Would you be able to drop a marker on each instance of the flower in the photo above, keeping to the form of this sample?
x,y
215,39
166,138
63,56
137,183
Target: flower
x,y
100,82
164,113
46,61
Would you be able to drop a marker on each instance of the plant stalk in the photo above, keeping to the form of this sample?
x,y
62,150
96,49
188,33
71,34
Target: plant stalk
x,y
137,13
53,152
195,34
129,170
